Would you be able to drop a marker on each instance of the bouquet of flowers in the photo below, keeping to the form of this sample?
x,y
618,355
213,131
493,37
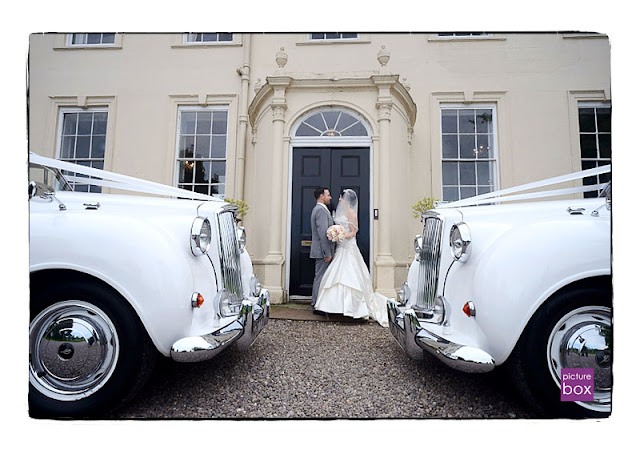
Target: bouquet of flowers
x,y
336,233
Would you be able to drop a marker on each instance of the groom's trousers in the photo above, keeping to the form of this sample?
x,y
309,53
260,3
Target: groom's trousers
x,y
321,268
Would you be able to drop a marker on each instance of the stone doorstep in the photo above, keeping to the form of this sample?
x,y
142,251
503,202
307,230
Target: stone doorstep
x,y
294,311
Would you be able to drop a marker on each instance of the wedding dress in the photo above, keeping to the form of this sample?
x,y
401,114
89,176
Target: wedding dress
x,y
346,287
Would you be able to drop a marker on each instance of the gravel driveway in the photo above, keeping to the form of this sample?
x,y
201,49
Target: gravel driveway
x,y
305,369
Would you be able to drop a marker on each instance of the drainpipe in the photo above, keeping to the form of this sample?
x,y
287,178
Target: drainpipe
x,y
243,117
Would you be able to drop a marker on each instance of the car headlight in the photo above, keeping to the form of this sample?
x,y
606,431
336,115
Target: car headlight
x,y
255,286
417,244
242,238
200,236
460,242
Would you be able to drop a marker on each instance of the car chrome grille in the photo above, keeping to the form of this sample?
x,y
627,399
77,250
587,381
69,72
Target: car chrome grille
x,y
429,262
229,254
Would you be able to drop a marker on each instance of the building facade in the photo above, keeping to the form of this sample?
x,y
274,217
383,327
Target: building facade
x,y
267,118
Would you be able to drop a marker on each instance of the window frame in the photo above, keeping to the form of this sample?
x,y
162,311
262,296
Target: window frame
x,y
177,159
598,160
187,42
63,110
70,42
338,39
494,161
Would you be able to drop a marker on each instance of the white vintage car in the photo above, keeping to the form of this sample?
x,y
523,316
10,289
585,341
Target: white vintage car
x,y
525,285
116,280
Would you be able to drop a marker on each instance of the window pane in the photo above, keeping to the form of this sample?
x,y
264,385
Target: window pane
x,y
467,146
450,146
344,121
187,145
484,151
588,145
188,123
201,172
100,123
108,38
605,145
218,172
185,172
450,194
203,124
217,189
219,147
202,189
467,121
219,122
97,146
93,38
306,130
225,37
68,145
357,130
82,146
466,192
316,121
317,35
332,35
604,120
484,120
331,117
467,173
449,121
203,143
587,120
349,35
84,123
209,37
450,173
69,123
484,173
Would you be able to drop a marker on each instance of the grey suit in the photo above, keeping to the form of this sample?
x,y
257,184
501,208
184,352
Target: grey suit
x,y
321,246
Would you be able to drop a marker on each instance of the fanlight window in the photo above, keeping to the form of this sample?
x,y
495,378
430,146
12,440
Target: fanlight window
x,y
332,123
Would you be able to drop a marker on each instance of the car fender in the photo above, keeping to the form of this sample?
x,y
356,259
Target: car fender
x,y
528,264
154,272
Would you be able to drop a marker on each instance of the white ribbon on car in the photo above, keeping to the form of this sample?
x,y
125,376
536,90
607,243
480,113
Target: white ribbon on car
x,y
504,194
114,180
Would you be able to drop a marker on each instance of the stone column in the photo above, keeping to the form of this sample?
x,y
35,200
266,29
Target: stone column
x,y
385,264
275,259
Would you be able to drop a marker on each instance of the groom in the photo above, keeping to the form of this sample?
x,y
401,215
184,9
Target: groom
x,y
322,248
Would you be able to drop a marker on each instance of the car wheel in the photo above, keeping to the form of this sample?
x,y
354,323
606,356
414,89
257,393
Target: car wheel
x,y
572,330
88,351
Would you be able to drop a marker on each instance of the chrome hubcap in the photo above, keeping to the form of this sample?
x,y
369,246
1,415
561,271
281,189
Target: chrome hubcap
x,y
582,339
73,348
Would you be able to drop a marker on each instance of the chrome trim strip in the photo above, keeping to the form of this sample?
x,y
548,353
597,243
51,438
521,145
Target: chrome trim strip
x,y
407,330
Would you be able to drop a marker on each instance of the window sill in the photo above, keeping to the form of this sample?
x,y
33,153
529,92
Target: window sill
x,y
207,45
466,38
584,36
334,41
88,47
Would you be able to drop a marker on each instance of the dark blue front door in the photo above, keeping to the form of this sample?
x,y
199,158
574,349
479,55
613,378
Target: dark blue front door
x,y
336,169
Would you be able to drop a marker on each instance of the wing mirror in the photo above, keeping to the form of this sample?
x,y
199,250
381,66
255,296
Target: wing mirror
x,y
40,190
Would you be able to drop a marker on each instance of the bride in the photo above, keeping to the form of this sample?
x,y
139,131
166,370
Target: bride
x,y
346,287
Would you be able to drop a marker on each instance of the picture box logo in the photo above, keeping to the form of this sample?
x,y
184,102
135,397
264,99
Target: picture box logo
x,y
576,385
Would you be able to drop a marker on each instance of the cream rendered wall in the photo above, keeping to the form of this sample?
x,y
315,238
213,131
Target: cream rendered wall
x,y
535,80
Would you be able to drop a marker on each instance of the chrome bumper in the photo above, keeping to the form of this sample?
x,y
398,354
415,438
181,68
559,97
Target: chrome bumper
x,y
253,316
408,331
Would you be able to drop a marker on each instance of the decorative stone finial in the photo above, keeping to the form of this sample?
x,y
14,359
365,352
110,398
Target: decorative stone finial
x,y
383,56
281,58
